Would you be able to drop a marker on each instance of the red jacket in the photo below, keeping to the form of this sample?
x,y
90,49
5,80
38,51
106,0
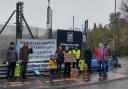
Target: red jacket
x,y
98,54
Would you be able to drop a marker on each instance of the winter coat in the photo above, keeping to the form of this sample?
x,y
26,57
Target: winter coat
x,y
98,55
11,55
52,63
88,56
24,54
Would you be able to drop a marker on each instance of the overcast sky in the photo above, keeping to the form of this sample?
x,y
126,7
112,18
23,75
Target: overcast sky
x,y
35,12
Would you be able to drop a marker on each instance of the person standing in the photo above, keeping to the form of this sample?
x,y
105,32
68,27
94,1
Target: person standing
x,y
88,58
73,52
67,68
59,59
24,57
77,53
11,59
52,64
108,50
101,59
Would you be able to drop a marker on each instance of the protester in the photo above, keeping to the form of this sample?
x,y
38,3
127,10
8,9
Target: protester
x,y
52,64
11,59
101,59
108,55
73,52
24,58
82,64
77,53
88,58
60,59
67,68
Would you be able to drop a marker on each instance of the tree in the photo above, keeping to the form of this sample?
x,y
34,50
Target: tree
x,y
105,34
100,26
124,9
95,26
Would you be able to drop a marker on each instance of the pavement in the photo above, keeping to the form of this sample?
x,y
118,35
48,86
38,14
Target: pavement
x,y
116,75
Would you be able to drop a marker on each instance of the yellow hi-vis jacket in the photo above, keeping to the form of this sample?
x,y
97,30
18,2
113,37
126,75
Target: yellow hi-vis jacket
x,y
77,53
52,64
82,65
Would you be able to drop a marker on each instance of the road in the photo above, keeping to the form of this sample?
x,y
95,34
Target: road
x,y
123,84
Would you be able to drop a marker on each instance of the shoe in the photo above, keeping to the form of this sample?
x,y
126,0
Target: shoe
x,y
100,76
105,75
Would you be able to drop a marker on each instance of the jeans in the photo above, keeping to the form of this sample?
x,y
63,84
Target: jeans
x,y
23,69
102,68
11,69
59,67
77,63
67,69
89,65
73,64
52,74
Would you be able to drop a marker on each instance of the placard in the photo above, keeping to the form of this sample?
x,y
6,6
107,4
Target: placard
x,y
69,57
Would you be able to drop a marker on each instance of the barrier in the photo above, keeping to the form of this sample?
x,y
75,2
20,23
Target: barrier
x,y
30,69
94,64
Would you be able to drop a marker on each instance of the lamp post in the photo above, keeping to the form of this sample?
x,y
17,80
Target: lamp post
x,y
114,29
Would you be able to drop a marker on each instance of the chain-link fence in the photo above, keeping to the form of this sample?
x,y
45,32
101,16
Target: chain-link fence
x,y
9,34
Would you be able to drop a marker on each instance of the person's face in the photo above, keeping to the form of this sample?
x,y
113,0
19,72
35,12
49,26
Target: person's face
x,y
66,48
100,45
52,57
59,48
12,46
25,44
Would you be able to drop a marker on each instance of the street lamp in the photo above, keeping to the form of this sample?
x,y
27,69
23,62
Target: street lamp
x,y
114,27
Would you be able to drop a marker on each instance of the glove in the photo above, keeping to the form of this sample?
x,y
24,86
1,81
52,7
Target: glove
x,y
6,62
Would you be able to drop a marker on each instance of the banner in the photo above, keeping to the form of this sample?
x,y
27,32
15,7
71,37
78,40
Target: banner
x,y
69,58
37,66
42,49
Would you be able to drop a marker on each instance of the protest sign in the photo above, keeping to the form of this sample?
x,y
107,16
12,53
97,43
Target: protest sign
x,y
69,57
42,49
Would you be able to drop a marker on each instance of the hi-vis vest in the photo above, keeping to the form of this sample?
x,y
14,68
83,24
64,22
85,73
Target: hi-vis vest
x,y
82,65
77,53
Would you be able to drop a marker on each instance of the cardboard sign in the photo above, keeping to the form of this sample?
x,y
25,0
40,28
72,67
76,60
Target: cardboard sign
x,y
69,57
74,72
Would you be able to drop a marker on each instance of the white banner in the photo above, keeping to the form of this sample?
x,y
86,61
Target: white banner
x,y
42,49
37,66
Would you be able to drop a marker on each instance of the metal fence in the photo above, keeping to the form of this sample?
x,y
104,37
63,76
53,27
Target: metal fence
x,y
9,34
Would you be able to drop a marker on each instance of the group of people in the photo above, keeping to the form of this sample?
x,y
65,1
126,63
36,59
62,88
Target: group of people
x,y
12,58
82,64
57,59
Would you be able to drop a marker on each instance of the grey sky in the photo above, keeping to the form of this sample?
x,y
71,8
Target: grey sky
x,y
35,12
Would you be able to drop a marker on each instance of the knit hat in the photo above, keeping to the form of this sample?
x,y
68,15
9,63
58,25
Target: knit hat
x,y
12,43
